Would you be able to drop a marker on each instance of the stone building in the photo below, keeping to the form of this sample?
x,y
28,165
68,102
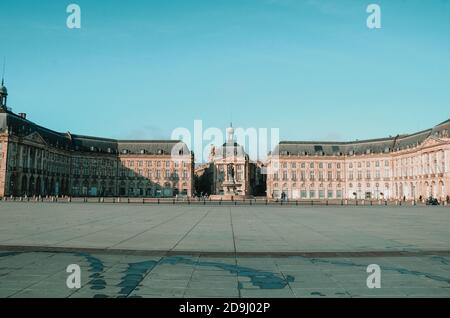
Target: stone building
x,y
403,167
38,161
230,172
35,160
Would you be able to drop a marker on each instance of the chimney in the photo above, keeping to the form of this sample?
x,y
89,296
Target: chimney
x,y
23,115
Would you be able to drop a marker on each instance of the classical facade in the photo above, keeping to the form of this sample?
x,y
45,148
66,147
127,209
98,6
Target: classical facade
x,y
403,167
38,161
230,172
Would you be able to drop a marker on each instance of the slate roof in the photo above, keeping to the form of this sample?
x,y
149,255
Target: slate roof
x,y
381,145
23,127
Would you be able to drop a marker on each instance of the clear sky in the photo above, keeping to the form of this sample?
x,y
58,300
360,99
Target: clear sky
x,y
139,69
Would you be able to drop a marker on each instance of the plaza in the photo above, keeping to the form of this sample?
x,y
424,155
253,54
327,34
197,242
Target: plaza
x,y
135,250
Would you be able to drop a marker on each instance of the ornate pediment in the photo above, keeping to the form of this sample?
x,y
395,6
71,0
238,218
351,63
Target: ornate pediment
x,y
431,141
35,137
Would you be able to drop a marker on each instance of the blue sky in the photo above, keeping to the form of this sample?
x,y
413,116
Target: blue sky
x,y
139,69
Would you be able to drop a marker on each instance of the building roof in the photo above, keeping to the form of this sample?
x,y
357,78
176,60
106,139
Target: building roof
x,y
22,127
380,145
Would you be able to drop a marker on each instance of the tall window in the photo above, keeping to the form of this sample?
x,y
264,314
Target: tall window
x,y
302,175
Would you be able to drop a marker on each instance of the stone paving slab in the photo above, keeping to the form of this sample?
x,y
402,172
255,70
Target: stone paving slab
x,y
185,276
225,229
205,251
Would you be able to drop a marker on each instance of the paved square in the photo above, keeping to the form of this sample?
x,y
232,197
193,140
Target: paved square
x,y
127,250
